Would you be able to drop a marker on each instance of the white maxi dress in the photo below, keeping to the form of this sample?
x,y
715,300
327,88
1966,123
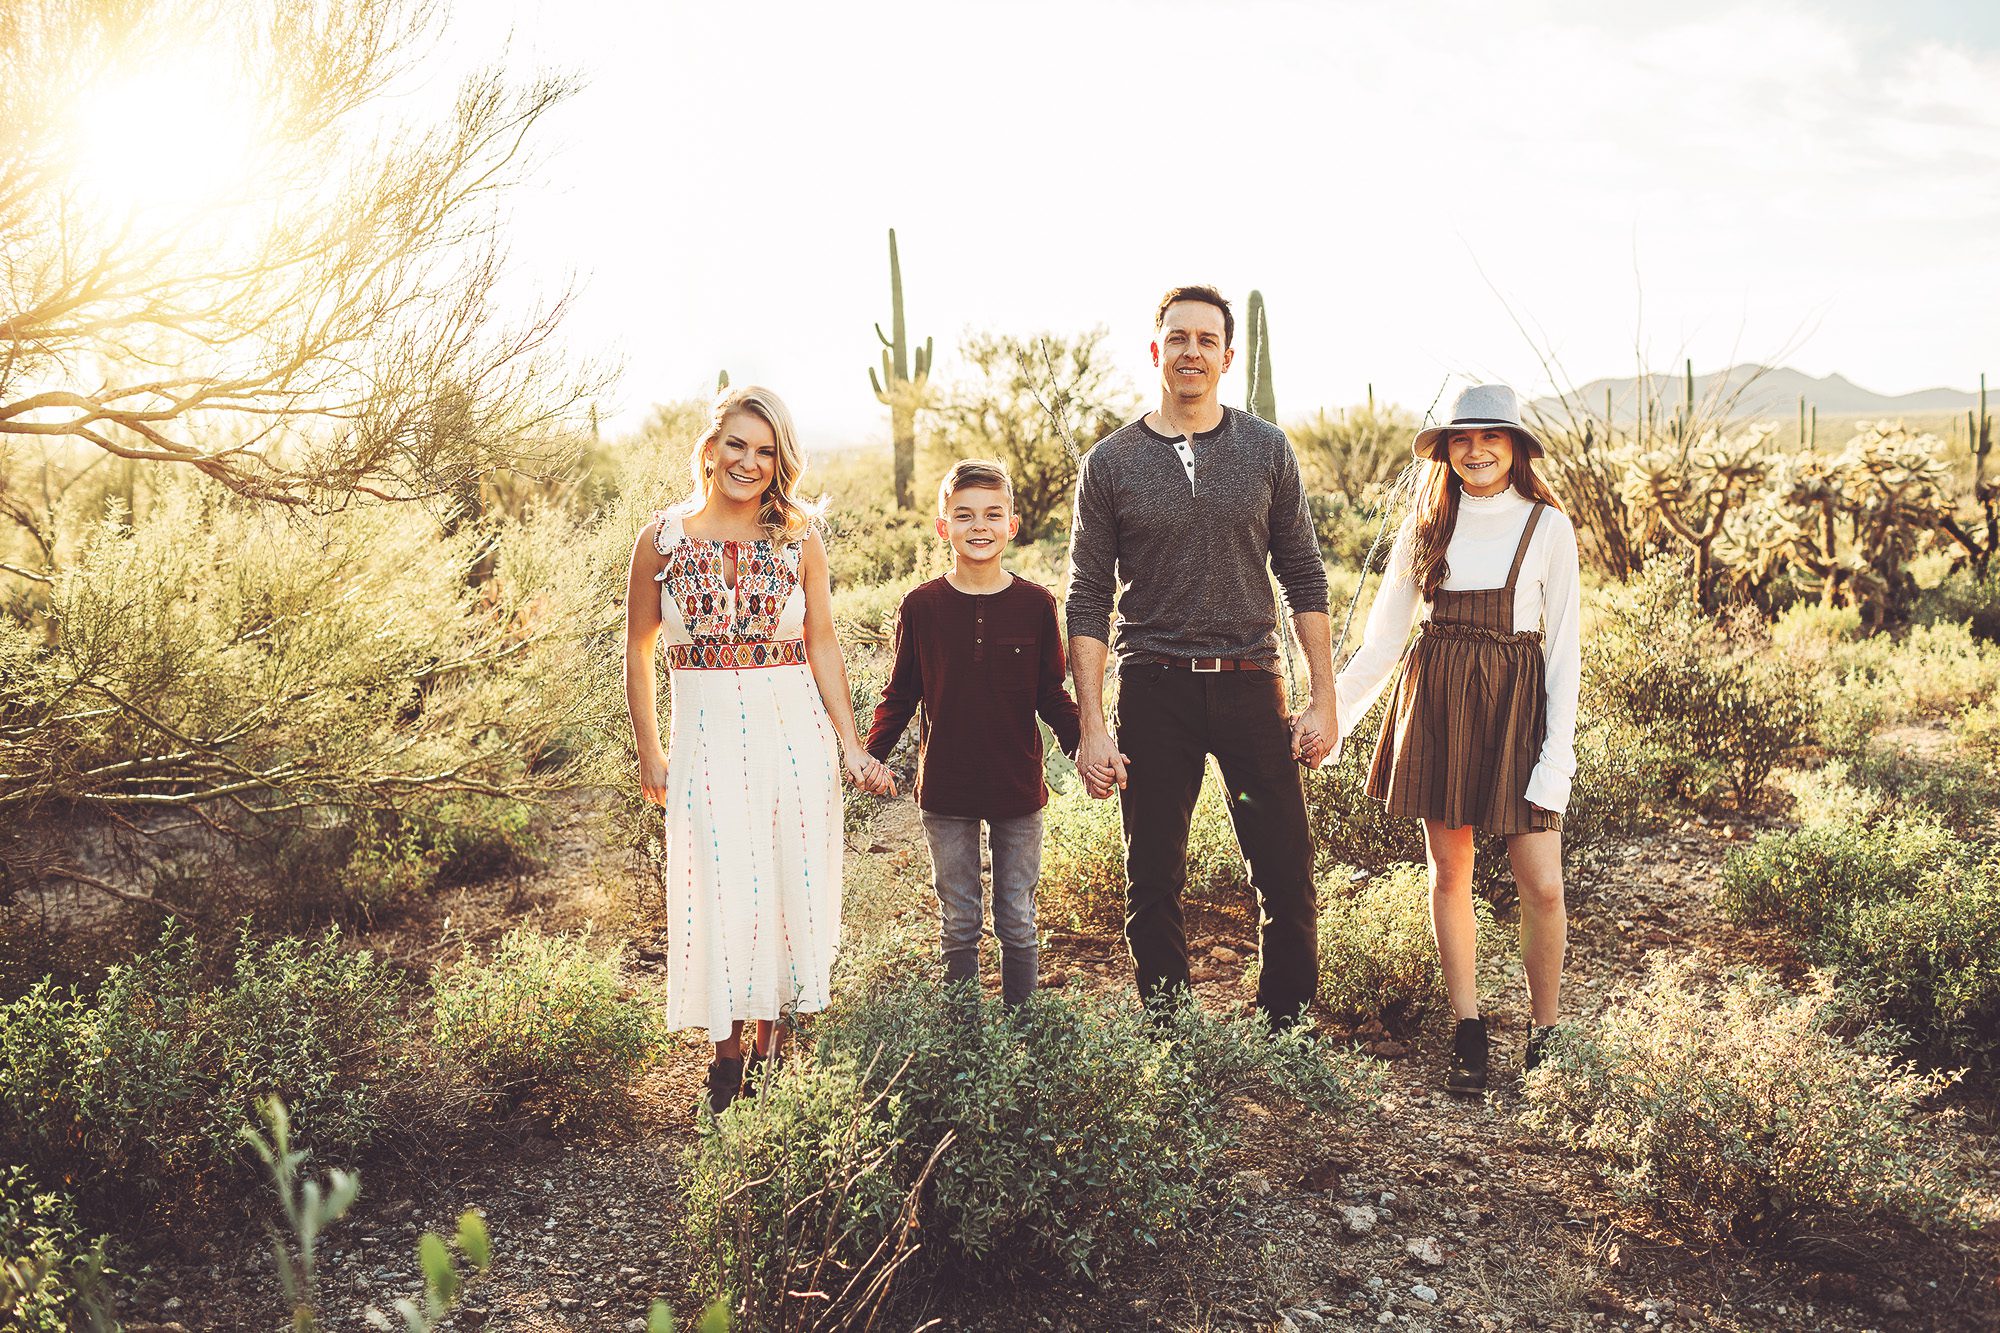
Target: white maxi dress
x,y
753,788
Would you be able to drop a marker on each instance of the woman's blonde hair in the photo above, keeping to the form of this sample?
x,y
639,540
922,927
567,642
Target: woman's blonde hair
x,y
783,513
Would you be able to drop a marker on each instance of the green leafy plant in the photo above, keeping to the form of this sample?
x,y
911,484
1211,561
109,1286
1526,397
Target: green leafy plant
x,y
544,1017
149,1081
1376,952
51,1277
311,1206
1742,1113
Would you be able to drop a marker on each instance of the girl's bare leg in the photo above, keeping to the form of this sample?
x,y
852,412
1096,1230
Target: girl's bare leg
x,y
1537,861
733,1048
1452,924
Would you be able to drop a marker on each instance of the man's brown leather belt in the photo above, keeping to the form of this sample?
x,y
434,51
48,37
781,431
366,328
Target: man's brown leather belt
x,y
1204,664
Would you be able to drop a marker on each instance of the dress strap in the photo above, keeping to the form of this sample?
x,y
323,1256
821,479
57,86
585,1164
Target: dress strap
x,y
1521,551
670,531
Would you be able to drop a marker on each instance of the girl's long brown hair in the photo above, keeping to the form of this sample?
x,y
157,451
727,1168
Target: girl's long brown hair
x,y
1436,517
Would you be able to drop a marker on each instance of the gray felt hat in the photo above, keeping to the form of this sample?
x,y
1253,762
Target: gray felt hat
x,y
1480,405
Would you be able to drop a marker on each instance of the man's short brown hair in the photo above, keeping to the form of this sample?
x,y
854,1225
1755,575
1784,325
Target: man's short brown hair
x,y
982,473
1205,295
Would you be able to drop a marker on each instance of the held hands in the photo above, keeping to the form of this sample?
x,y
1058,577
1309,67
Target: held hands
x,y
1314,733
868,773
1101,765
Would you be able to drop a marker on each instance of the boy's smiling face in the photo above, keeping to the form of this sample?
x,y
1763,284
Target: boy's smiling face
x,y
978,521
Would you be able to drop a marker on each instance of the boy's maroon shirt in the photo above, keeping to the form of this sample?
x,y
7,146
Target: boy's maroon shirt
x,y
981,668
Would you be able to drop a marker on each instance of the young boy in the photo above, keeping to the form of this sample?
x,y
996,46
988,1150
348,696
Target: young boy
x,y
979,653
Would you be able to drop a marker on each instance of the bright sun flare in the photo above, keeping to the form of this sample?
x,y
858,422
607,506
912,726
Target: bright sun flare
x,y
175,138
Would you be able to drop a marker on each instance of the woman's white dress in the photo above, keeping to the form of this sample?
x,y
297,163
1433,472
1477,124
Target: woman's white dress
x,y
753,789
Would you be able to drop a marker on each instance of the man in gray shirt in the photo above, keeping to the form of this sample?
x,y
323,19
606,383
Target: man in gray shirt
x,y
1177,517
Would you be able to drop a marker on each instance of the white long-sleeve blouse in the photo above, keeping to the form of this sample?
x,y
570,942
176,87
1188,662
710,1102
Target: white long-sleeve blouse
x,y
1546,597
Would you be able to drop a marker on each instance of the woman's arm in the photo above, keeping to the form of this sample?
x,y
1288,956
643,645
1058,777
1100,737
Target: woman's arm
x,y
642,632
1562,675
1388,630
829,670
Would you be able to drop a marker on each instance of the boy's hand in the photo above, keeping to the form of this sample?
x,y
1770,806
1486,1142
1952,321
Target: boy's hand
x,y
870,774
1102,766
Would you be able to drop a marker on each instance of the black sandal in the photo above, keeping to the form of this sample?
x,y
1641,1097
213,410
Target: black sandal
x,y
1467,1075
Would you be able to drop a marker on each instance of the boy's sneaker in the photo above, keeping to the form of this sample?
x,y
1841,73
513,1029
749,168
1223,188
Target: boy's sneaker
x,y
724,1083
1467,1075
1538,1042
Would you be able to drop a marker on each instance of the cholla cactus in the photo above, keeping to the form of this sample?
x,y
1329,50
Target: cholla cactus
x,y
1691,491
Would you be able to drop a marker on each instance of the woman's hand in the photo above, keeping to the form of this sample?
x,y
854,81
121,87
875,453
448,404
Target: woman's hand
x,y
867,772
653,778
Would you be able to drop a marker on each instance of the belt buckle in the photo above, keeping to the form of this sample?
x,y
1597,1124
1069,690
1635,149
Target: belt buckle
x,y
1195,664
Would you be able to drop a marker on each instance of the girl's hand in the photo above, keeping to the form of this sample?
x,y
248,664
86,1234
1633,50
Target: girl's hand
x,y
868,773
653,778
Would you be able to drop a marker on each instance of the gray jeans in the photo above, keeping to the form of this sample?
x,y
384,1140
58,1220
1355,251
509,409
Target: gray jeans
x,y
1017,865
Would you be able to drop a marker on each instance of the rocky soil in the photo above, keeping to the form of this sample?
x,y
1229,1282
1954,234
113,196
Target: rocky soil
x,y
1430,1213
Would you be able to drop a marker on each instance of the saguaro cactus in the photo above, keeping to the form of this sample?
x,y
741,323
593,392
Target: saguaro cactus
x,y
900,388
1263,398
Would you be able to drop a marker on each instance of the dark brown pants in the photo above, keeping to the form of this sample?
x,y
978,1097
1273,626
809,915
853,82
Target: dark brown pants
x,y
1169,721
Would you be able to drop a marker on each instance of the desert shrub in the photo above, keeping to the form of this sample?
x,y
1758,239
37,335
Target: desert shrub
x,y
871,541
794,1200
864,615
1083,855
545,1017
142,1089
1932,671
1807,878
1967,598
1376,952
1696,687
1956,788
44,1258
1931,961
1030,1183
1743,1114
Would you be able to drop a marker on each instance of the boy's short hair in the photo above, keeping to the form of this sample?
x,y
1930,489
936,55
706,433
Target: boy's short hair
x,y
967,473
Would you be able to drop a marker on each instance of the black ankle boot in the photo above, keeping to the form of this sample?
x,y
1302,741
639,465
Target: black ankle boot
x,y
725,1081
1538,1043
756,1068
1468,1058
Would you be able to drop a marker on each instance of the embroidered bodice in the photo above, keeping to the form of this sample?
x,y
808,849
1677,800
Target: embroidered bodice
x,y
697,603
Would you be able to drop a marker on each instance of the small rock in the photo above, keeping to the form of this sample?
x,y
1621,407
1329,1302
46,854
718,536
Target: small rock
x,y
1424,1249
1222,953
1428,1295
1357,1219
1389,1050
1286,1324
1893,1302
1253,1183
1386,1317
1300,1315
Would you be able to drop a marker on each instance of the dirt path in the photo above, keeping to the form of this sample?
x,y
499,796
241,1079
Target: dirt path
x,y
1430,1214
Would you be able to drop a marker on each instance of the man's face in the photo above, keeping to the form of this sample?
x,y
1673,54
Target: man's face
x,y
978,521
1189,352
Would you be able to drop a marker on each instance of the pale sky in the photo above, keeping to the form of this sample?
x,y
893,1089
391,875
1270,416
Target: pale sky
x,y
1817,183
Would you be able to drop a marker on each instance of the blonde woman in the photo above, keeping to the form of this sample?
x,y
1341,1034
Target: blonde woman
x,y
762,725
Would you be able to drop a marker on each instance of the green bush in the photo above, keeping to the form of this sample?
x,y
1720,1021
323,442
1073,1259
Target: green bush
x,y
47,1268
1083,856
1707,691
546,1018
1809,878
1931,961
1080,1133
1963,597
1744,1115
137,1095
1377,954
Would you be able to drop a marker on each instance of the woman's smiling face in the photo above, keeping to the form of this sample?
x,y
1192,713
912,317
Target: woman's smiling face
x,y
1483,458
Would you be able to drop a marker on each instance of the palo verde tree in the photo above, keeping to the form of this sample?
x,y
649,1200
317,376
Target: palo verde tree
x,y
220,247
1037,404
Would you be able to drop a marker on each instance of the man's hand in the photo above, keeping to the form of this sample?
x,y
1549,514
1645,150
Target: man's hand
x,y
1313,732
1100,763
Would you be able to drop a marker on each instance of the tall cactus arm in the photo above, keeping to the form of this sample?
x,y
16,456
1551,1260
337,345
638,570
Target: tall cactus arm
x,y
887,341
923,371
876,385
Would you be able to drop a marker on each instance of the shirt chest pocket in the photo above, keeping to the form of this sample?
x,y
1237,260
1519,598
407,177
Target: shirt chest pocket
x,y
1012,663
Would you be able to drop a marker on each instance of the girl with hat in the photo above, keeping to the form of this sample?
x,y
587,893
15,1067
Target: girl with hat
x,y
1480,730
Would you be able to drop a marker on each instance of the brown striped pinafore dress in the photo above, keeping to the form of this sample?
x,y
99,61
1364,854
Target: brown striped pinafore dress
x,y
1464,727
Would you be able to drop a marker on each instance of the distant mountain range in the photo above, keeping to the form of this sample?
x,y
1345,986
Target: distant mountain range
x,y
1775,393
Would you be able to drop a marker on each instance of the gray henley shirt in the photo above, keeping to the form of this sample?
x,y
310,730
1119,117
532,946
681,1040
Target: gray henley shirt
x,y
1187,572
